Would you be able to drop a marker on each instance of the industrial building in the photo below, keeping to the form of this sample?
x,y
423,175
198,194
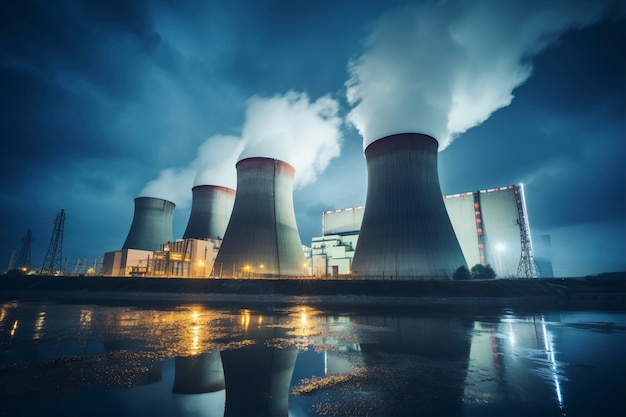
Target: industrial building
x,y
151,251
252,231
262,236
491,227
406,232
332,255
184,258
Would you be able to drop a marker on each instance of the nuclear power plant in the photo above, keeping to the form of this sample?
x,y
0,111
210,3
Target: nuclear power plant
x,y
262,236
406,231
491,226
150,249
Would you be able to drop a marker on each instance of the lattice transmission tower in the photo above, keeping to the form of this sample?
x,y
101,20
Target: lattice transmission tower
x,y
23,257
54,256
527,267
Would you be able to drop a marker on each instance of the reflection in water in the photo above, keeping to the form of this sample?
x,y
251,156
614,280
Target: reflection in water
x,y
85,318
422,361
198,374
258,378
513,363
39,325
193,360
547,338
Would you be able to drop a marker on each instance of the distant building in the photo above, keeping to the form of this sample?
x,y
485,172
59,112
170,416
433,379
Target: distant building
x,y
184,258
332,255
122,262
488,225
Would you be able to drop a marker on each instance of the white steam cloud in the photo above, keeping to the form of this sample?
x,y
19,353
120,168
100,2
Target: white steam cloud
x,y
290,128
214,165
440,68
304,134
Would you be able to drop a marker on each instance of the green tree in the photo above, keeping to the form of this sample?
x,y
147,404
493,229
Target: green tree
x,y
462,273
480,271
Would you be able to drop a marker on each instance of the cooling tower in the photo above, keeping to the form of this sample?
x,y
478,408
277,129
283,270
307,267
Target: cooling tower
x,y
262,236
406,232
152,224
210,210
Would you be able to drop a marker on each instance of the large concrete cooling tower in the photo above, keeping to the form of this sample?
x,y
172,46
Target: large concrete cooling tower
x,y
152,224
262,236
406,232
210,210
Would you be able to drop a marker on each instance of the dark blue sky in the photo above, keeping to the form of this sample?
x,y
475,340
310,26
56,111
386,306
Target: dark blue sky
x,y
104,101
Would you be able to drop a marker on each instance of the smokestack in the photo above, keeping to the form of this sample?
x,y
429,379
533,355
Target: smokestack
x,y
210,210
262,236
152,224
406,231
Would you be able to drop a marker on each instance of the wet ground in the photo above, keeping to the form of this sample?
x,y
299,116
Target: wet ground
x,y
180,359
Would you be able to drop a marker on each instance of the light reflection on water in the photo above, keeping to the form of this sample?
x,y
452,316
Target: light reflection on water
x,y
103,360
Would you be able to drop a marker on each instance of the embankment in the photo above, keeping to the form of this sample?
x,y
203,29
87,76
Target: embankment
x,y
609,292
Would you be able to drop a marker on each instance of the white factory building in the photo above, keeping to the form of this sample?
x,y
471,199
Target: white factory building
x,y
183,258
491,226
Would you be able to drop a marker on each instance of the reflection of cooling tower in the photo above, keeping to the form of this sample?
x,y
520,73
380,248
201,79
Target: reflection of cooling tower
x,y
262,235
210,211
433,356
406,231
198,374
152,224
258,378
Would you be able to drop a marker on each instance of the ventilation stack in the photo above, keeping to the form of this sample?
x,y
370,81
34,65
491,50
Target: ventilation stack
x,y
210,210
262,237
406,232
152,224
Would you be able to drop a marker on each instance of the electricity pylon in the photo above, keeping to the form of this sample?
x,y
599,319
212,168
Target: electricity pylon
x,y
54,256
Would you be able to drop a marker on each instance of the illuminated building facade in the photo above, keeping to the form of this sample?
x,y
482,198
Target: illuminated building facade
x,y
184,258
488,225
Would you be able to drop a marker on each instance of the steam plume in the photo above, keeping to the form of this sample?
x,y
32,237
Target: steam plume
x,y
214,165
304,134
440,68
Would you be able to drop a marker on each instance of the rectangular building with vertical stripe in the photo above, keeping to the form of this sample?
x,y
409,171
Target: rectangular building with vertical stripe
x,y
487,224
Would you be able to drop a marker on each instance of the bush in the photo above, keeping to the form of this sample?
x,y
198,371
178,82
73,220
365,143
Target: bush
x,y
480,271
462,273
